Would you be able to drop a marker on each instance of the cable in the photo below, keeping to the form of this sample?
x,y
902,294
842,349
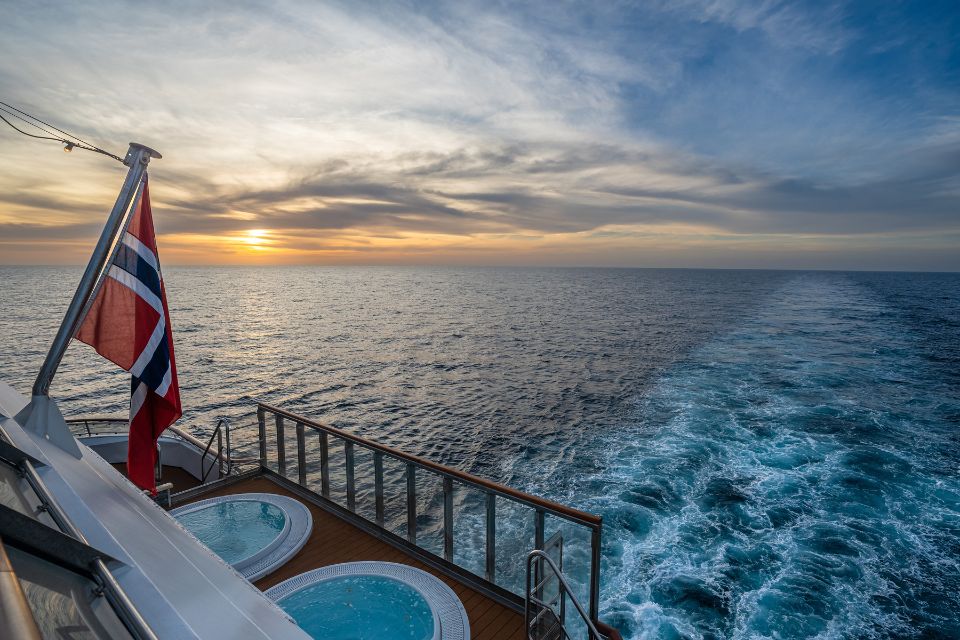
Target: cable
x,y
29,122
15,128
70,144
69,135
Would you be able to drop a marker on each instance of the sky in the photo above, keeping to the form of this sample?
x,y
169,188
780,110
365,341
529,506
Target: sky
x,y
681,133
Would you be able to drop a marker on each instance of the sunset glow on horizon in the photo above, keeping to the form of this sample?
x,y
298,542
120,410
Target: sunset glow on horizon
x,y
690,134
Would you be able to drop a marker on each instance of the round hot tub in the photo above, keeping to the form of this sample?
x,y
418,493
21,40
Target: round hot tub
x,y
254,532
375,600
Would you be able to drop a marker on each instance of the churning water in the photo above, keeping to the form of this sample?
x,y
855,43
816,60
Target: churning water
x,y
775,454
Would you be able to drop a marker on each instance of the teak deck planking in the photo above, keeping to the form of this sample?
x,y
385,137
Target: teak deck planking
x,y
180,479
334,541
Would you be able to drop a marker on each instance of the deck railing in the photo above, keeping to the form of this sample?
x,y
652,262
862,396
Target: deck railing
x,y
220,458
452,479
107,425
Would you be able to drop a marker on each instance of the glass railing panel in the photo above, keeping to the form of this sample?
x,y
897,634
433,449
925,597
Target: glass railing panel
x,y
363,482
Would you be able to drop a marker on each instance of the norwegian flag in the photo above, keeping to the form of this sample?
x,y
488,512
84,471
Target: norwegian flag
x,y
128,324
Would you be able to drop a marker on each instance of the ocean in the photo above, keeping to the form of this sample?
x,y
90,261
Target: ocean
x,y
774,453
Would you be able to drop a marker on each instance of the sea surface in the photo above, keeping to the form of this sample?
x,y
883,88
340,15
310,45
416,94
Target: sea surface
x,y
774,454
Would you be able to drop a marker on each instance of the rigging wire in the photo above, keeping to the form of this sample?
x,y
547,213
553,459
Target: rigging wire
x,y
69,144
69,135
29,122
15,128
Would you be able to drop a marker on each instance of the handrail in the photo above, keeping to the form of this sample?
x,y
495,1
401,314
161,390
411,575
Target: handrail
x,y
186,436
562,510
491,492
217,433
86,420
222,458
564,589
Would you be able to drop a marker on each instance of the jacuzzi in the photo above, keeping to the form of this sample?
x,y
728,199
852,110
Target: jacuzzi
x,y
375,600
256,533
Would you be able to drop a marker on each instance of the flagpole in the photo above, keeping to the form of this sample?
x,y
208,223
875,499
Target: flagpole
x,y
138,156
113,254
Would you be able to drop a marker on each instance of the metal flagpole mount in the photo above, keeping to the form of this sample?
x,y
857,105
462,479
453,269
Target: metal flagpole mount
x,y
42,416
133,156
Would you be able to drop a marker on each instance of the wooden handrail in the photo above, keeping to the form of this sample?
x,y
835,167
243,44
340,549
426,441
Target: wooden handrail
x,y
96,419
562,510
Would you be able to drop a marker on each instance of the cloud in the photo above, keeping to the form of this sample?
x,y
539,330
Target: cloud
x,y
451,126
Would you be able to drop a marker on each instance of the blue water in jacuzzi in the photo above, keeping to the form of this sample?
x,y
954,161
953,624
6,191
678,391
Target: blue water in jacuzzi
x,y
361,608
235,530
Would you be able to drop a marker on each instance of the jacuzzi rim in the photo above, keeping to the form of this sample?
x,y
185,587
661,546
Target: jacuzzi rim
x,y
450,620
298,523
277,540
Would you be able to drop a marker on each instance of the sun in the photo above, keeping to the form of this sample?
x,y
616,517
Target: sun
x,y
256,239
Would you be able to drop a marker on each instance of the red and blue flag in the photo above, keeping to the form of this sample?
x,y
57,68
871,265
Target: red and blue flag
x,y
129,324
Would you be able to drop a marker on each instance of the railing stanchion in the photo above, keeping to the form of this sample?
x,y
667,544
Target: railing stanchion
x,y
351,484
538,528
301,456
262,427
490,569
219,451
411,502
281,446
595,573
448,518
378,485
324,465
229,449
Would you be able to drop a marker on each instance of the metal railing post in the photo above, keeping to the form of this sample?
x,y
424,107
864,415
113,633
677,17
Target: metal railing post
x,y
262,434
448,518
538,528
229,450
351,483
490,568
281,446
219,451
324,465
378,485
411,502
301,457
595,573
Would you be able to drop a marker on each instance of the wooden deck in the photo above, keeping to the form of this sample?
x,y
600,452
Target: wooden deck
x,y
181,479
333,541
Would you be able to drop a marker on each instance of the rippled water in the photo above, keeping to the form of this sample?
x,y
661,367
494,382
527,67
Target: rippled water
x,y
775,454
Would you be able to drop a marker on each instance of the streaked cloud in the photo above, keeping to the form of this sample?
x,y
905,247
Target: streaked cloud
x,y
702,133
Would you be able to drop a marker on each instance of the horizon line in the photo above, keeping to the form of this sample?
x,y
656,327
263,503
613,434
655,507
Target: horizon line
x,y
507,266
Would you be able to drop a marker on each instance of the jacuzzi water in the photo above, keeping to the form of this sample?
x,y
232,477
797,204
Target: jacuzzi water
x,y
361,608
235,530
